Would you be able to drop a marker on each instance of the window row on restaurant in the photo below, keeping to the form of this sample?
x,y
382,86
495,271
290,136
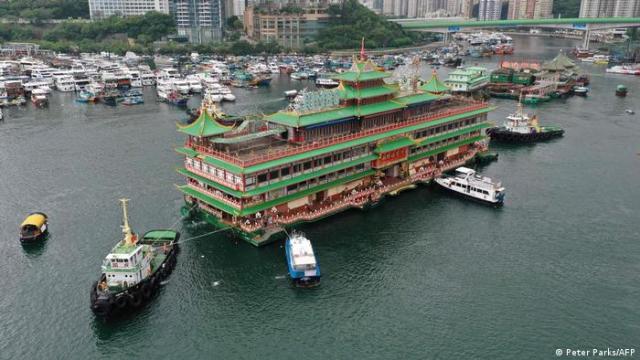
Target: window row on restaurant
x,y
434,130
213,171
306,166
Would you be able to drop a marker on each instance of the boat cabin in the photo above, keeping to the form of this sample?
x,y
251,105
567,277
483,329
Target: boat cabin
x,y
126,265
34,227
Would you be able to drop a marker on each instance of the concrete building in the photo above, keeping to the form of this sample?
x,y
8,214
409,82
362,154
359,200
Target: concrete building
x,y
530,9
290,30
199,20
609,8
490,10
100,9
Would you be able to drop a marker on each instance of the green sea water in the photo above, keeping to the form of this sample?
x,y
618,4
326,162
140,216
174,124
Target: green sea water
x,y
422,276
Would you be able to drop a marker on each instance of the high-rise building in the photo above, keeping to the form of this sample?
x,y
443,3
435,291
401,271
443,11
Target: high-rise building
x,y
100,9
467,8
530,9
290,30
609,8
199,20
543,9
490,10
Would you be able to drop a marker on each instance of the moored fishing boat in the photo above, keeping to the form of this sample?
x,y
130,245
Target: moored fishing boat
x,y
39,98
86,97
133,270
304,269
34,228
468,183
580,90
522,128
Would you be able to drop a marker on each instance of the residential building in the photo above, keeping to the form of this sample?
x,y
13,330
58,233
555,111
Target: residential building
x,y
609,8
199,20
490,10
100,9
290,30
530,9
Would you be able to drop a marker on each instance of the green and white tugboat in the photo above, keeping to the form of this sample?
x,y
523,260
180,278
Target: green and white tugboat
x,y
134,268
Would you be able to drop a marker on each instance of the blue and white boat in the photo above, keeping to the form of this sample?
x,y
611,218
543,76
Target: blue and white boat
x,y
303,267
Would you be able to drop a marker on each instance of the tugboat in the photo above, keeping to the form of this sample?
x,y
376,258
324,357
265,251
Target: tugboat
x,y
467,183
34,228
133,270
621,91
522,128
303,267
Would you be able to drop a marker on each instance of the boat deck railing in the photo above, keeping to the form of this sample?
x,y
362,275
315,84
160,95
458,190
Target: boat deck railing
x,y
357,197
272,154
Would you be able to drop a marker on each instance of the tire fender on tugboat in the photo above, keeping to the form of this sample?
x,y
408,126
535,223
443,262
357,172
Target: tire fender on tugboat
x,y
121,301
147,290
135,299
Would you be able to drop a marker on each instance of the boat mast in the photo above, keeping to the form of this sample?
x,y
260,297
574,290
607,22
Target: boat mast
x,y
128,236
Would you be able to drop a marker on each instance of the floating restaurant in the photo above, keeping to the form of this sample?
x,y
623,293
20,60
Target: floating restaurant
x,y
331,150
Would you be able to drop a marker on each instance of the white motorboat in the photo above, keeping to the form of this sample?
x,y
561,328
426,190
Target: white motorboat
x,y
467,182
227,95
182,86
65,83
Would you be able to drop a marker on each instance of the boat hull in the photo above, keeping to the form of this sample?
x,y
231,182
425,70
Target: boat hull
x,y
497,203
299,278
503,135
134,297
34,239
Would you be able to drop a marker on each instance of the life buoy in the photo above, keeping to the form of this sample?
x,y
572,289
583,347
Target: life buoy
x,y
135,299
121,302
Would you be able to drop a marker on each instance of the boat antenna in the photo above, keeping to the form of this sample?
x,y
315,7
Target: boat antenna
x,y
126,230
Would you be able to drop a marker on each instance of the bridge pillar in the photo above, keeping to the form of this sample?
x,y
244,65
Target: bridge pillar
x,y
586,39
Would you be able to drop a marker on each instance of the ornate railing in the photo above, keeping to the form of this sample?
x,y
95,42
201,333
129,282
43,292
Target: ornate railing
x,y
269,155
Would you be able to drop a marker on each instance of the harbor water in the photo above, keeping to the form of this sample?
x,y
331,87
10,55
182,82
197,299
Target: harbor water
x,y
424,275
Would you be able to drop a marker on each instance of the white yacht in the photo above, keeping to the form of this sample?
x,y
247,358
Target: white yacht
x,y
81,82
227,95
195,84
182,86
43,85
148,78
274,68
65,83
213,94
164,88
136,79
468,183
42,73
168,73
95,87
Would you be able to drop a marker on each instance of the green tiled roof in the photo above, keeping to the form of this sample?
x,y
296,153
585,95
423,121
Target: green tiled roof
x,y
445,148
269,204
435,85
204,126
394,144
287,159
301,120
356,142
365,110
348,92
417,98
353,76
187,151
